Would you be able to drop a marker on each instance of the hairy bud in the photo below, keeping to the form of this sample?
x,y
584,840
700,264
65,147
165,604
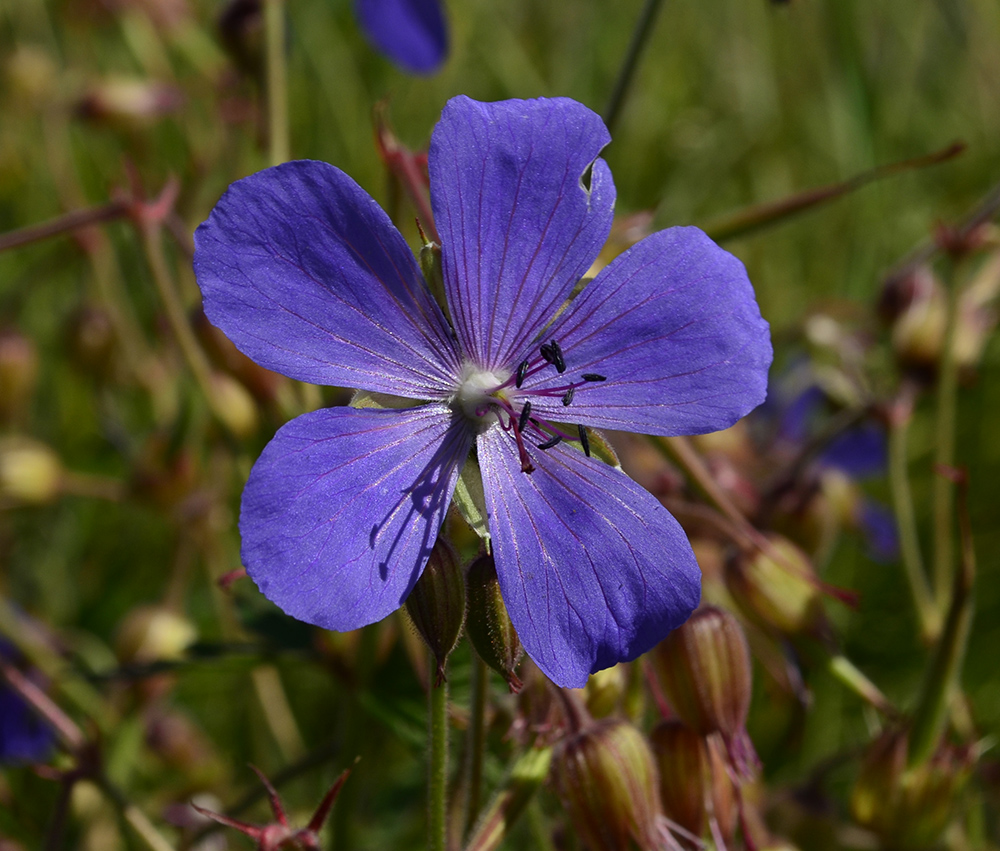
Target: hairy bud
x,y
18,371
488,624
605,775
30,472
778,588
436,604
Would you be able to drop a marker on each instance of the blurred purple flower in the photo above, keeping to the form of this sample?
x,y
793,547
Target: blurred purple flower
x,y
309,277
412,33
23,736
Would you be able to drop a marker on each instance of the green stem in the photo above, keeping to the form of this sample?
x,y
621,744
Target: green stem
x,y
643,29
943,675
906,524
477,740
944,453
277,80
437,775
848,675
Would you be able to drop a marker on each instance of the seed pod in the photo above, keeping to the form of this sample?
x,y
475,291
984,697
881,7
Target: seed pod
x,y
778,589
704,669
605,775
153,633
908,807
488,624
233,405
18,372
695,786
30,472
436,604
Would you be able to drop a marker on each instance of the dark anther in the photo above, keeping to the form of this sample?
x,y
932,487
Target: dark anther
x,y
568,397
557,357
522,368
593,376
550,443
547,353
584,440
525,413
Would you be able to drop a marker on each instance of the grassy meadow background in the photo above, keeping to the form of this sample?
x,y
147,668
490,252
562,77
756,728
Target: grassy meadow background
x,y
734,103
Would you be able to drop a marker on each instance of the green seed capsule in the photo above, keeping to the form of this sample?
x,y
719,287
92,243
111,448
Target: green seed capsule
x,y
488,624
436,604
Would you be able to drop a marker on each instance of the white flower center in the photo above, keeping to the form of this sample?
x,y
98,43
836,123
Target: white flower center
x,y
478,394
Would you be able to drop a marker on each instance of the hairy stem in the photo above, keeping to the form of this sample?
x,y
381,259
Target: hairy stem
x,y
437,775
643,29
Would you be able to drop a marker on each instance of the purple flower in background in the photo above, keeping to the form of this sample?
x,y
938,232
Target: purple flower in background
x,y
309,277
412,33
23,736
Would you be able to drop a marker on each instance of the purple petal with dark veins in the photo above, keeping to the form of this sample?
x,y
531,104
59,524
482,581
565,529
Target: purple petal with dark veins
x,y
523,205
593,570
305,273
343,508
674,326
412,33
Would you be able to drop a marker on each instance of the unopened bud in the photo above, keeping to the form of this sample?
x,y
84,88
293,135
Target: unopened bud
x,y
130,102
18,371
153,633
694,783
488,624
604,691
241,31
30,472
778,588
908,807
704,668
605,775
436,604
91,337
233,405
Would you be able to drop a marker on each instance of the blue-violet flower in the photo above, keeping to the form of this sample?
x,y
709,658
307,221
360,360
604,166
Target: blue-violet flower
x,y
308,276
412,33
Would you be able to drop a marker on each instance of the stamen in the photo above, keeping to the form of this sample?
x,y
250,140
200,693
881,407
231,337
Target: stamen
x,y
557,355
522,368
568,397
550,443
584,440
547,352
525,413
593,376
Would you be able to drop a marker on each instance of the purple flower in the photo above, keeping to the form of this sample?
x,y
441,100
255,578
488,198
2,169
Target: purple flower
x,y
412,33
23,736
308,276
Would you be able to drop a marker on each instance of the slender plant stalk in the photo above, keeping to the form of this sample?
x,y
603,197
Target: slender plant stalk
x,y
437,775
477,740
906,524
640,35
277,80
943,675
944,453
278,711
847,674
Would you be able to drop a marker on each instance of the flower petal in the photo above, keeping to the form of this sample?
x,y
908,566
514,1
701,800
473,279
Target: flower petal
x,y
343,508
523,206
593,570
412,33
674,326
305,273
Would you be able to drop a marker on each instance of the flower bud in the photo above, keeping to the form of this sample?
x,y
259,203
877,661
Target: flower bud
x,y
91,338
30,472
18,371
488,624
604,690
704,669
778,588
436,604
153,633
130,102
606,777
908,807
233,405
